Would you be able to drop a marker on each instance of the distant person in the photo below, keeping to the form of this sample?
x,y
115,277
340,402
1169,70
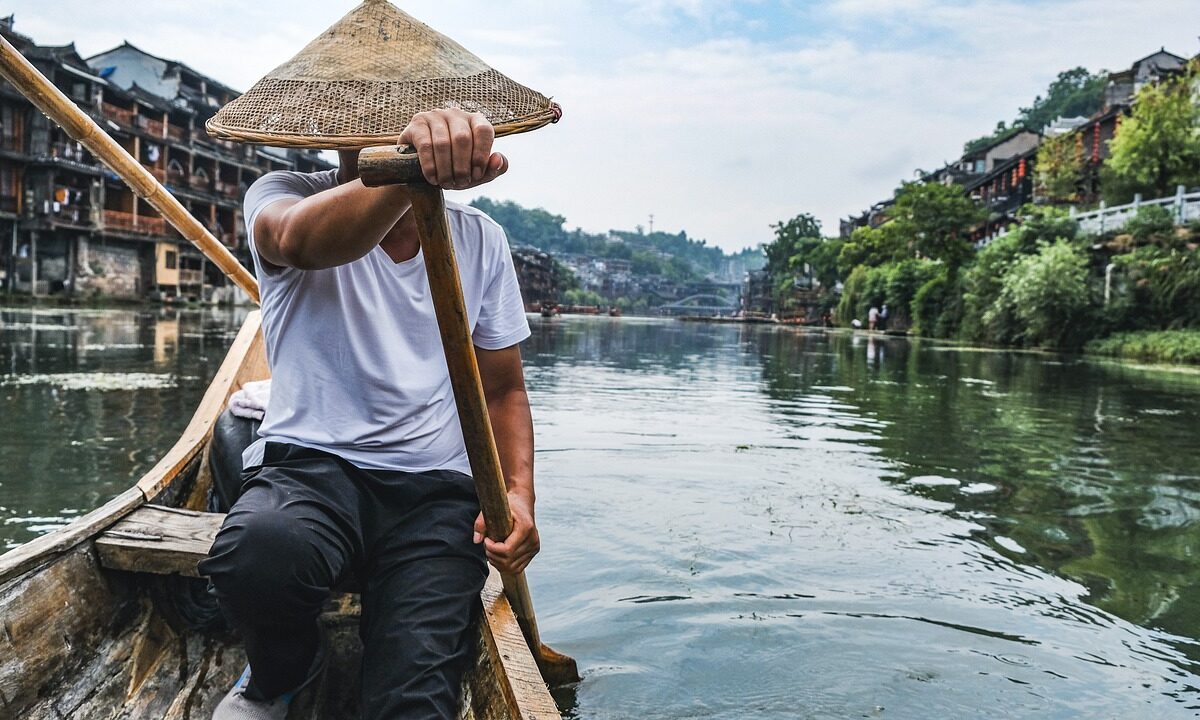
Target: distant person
x,y
872,318
883,317
827,319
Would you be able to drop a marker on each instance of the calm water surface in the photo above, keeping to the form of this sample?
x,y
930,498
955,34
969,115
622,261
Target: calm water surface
x,y
755,522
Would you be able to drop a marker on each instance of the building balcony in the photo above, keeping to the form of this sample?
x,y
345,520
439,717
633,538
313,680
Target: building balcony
x,y
117,220
8,204
12,143
152,126
189,277
177,179
230,189
175,132
121,115
200,182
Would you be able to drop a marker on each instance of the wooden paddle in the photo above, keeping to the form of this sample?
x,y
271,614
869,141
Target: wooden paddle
x,y
393,165
51,101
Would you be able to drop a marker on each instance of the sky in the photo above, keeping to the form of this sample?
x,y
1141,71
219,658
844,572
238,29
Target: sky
x,y
717,117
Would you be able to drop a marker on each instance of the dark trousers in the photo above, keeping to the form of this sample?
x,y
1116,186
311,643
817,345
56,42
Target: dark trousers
x,y
307,520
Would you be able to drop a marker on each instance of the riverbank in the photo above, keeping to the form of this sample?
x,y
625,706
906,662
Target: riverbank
x,y
1163,346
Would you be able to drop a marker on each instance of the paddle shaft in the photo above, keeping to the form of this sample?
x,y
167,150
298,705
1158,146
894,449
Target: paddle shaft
x,y
51,101
429,209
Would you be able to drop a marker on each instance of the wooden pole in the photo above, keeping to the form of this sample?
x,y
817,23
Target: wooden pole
x,y
429,208
51,101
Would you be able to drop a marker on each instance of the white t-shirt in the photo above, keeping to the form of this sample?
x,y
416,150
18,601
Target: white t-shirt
x,y
355,355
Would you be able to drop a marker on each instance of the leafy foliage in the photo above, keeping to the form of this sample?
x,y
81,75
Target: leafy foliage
x,y
1048,295
983,318
870,247
1176,346
1060,166
1002,132
1074,93
1152,222
1160,288
929,307
1158,145
934,220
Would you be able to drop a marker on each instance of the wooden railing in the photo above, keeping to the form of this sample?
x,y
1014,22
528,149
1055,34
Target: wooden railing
x,y
177,179
14,143
175,132
150,125
199,182
140,224
8,204
118,220
230,189
158,173
121,115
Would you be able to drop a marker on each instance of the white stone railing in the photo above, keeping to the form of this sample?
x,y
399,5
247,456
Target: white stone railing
x,y
1183,206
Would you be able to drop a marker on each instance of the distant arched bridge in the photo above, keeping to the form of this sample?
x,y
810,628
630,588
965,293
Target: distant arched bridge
x,y
701,305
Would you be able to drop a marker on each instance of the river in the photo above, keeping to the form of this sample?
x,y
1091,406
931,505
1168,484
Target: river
x,y
753,521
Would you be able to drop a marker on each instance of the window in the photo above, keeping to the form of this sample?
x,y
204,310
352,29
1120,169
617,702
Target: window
x,y
171,260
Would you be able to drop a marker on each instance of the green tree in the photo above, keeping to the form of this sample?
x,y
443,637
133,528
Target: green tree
x,y
788,236
792,237
1060,165
1158,145
1049,296
1003,131
935,220
869,247
1074,93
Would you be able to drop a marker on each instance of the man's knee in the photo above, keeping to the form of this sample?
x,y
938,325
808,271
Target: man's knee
x,y
265,563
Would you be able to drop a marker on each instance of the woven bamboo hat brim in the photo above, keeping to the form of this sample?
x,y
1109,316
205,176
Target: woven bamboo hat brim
x,y
362,80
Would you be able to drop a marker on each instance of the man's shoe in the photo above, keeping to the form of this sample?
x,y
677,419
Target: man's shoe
x,y
236,706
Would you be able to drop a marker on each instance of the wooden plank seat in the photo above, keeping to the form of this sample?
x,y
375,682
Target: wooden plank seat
x,y
160,540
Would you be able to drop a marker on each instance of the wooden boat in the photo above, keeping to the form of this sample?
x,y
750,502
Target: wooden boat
x,y
97,619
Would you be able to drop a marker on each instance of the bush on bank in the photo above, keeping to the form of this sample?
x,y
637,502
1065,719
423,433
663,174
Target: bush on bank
x,y
1174,346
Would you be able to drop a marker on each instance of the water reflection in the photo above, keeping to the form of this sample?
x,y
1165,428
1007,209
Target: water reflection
x,y
89,399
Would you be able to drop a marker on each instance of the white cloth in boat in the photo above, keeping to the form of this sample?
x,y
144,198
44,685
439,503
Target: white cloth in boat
x,y
250,401
355,355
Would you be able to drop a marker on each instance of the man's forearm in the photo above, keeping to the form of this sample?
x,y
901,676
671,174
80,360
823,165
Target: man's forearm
x,y
339,225
512,425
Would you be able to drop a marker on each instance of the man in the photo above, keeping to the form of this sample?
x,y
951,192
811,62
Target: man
x,y
360,470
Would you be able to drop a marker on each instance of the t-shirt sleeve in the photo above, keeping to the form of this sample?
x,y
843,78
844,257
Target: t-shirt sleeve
x,y
269,188
502,320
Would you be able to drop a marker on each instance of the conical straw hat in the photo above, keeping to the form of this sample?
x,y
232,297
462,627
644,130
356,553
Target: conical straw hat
x,y
361,81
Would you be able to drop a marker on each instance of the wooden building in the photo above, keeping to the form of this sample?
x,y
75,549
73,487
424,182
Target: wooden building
x,y
69,226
